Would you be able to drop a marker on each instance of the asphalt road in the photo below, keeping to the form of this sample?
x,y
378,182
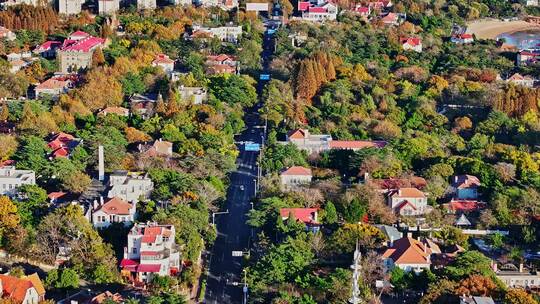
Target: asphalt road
x,y
225,279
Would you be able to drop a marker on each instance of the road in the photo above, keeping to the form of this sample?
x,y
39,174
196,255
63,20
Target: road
x,y
225,278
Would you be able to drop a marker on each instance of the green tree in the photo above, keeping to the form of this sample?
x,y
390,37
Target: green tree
x,y
467,263
69,279
330,213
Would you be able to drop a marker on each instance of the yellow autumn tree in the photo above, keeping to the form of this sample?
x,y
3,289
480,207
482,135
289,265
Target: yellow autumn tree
x,y
101,90
133,135
9,218
9,146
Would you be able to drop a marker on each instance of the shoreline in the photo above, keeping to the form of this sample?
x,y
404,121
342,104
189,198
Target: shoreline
x,y
492,28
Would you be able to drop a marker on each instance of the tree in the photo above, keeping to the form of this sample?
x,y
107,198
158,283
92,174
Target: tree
x,y
249,55
31,154
306,81
330,213
518,296
132,84
77,182
98,58
452,236
442,291
467,263
9,218
345,238
133,135
9,145
69,279
477,285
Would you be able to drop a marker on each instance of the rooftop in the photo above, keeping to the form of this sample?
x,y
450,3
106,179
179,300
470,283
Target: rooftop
x,y
297,170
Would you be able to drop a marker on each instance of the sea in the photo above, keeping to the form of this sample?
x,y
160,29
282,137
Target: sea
x,y
528,39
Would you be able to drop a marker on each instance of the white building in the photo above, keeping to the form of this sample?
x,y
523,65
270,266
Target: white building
x,y
70,7
411,44
129,186
408,201
151,250
11,179
55,86
195,95
462,38
108,7
114,210
409,254
517,277
7,34
146,4
295,176
518,79
223,33
317,143
163,61
327,11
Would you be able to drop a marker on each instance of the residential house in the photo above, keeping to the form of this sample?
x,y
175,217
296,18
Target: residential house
x,y
317,143
158,148
462,38
224,33
475,300
108,7
129,186
163,61
532,3
151,250
308,216
19,60
146,4
465,187
411,44
144,104
77,50
518,79
120,111
391,233
295,176
381,5
62,144
194,95
115,210
70,7
363,11
7,34
317,12
11,179
19,290
391,19
517,277
526,57
219,64
408,201
385,185
55,86
408,254
464,206
48,49
38,285
107,297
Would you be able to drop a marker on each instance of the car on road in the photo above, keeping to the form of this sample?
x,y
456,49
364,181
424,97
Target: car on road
x,y
241,187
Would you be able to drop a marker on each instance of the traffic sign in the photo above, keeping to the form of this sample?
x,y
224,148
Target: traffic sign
x,y
237,253
264,77
252,147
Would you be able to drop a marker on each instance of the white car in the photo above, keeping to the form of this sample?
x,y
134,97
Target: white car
x,y
241,187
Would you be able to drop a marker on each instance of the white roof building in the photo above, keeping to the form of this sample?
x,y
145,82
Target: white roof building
x,y
129,186
11,179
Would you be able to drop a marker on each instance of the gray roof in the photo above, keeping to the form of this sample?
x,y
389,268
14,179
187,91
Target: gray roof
x,y
391,232
463,221
476,300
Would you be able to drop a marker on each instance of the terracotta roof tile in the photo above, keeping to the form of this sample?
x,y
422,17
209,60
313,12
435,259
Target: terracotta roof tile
x,y
297,170
15,288
408,251
116,206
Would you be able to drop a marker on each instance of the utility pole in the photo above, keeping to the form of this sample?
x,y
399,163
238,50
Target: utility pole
x,y
245,288
355,297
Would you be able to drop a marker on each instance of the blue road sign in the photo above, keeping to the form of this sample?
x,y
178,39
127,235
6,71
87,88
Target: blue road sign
x,y
252,147
264,77
270,31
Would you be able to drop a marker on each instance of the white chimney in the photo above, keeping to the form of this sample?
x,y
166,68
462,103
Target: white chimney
x,y
96,205
101,200
520,267
101,164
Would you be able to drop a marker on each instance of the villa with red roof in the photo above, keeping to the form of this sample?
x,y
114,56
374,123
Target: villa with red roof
x,y
464,206
317,12
158,148
518,79
62,144
115,210
77,50
390,19
362,10
408,201
120,111
409,254
55,86
48,49
462,38
317,143
411,44
526,57
19,290
219,64
163,61
308,216
296,175
151,250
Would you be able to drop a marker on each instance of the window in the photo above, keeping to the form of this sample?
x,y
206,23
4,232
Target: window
x,y
134,250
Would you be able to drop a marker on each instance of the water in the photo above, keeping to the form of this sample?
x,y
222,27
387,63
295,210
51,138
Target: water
x,y
528,39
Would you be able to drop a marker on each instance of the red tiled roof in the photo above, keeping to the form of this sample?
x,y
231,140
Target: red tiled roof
x,y
148,268
8,162
48,45
163,59
60,140
404,204
297,170
153,230
414,41
149,238
54,83
362,9
56,195
391,17
120,111
60,152
305,215
83,45
465,36
316,9
355,144
408,251
303,5
107,295
128,263
79,34
465,206
297,134
466,181
407,192
149,253
116,206
15,288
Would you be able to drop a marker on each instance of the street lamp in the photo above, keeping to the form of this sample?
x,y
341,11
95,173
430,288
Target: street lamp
x,y
217,213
